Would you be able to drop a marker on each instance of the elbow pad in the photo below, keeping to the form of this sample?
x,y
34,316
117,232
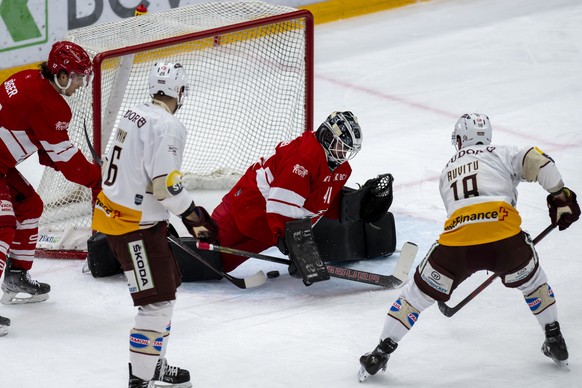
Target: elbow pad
x,y
168,190
539,167
533,161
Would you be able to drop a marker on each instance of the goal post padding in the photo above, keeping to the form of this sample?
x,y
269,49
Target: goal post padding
x,y
250,66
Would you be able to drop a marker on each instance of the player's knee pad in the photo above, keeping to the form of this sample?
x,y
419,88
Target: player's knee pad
x,y
540,299
146,342
404,312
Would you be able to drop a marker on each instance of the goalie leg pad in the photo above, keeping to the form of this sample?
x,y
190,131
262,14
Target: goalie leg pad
x,y
191,269
100,259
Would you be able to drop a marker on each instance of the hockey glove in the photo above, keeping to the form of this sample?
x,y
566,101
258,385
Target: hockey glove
x,y
377,198
563,213
205,229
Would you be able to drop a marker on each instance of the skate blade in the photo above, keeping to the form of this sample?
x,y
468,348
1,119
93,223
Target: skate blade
x,y
363,374
161,384
562,364
3,331
11,298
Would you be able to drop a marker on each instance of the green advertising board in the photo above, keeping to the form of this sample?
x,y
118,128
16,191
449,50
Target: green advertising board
x,y
25,26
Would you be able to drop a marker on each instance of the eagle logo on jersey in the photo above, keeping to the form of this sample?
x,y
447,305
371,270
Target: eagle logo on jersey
x,y
300,170
62,125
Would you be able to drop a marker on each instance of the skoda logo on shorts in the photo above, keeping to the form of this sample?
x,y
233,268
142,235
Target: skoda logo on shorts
x,y
435,275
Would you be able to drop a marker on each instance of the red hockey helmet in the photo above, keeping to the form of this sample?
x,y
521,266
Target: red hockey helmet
x,y
69,57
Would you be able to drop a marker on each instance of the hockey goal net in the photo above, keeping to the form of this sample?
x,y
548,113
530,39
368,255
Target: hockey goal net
x,y
251,81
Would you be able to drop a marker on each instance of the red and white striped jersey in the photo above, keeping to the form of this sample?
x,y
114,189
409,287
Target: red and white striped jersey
x,y
294,183
35,117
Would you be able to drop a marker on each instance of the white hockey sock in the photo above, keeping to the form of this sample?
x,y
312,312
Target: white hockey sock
x,y
151,325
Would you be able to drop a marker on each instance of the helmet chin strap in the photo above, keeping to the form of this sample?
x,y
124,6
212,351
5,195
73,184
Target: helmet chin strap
x,y
63,89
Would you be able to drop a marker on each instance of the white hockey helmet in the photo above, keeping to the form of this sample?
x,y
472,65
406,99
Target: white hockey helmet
x,y
472,129
169,79
341,137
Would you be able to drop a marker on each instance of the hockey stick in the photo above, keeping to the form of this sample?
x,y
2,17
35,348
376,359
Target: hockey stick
x,y
449,311
252,281
395,280
91,148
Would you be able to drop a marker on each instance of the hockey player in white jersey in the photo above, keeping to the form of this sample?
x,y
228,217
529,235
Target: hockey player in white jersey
x,y
483,232
141,185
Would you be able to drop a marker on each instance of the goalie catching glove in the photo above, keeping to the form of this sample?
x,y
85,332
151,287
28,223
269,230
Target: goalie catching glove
x,y
377,197
563,212
205,228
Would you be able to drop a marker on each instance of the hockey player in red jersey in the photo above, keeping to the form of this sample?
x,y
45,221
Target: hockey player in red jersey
x,y
34,117
483,232
303,178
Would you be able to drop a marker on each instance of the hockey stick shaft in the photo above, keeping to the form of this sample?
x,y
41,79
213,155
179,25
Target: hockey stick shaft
x,y
90,145
449,311
252,281
404,264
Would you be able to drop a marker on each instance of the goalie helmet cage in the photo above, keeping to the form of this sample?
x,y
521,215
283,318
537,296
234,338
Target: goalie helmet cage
x,y
250,69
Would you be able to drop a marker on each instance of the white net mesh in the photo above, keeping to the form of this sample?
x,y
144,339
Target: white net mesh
x,y
248,67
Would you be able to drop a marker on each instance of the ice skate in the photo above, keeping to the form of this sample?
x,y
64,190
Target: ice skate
x,y
4,323
170,376
554,346
136,382
19,288
372,362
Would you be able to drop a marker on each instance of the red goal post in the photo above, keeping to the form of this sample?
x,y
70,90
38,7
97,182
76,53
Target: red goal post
x,y
250,66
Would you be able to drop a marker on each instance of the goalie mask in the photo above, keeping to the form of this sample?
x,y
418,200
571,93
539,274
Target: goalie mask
x,y
341,137
169,79
472,129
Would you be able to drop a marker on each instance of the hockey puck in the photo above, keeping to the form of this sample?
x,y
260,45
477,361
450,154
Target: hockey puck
x,y
273,274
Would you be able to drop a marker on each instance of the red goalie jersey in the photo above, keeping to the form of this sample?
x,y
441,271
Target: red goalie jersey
x,y
294,183
34,117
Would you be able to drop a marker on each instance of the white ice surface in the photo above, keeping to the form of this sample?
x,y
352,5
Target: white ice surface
x,y
408,74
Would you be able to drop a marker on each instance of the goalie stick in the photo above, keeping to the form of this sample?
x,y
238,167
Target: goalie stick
x,y
449,311
395,280
249,282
